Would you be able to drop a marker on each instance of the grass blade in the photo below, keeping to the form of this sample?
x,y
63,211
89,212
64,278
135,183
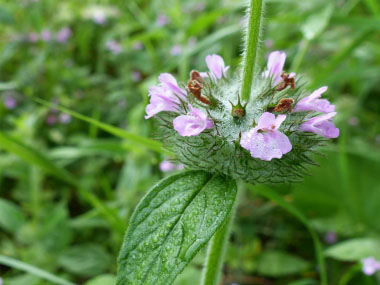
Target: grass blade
x,y
14,263
140,140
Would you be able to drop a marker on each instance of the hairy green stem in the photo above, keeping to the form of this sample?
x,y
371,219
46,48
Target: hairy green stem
x,y
251,47
215,253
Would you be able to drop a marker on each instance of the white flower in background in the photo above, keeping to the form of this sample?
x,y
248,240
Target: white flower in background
x,y
100,14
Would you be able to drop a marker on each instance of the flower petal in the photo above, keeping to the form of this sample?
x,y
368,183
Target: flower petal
x,y
321,126
266,145
187,125
266,121
275,66
169,82
312,103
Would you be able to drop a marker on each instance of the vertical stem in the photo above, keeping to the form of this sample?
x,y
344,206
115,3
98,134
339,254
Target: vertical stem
x,y
251,47
305,45
215,253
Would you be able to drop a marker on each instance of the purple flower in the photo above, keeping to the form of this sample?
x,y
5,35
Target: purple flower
x,y
161,99
166,166
114,47
63,35
265,141
162,20
353,121
192,42
313,103
64,118
136,76
99,16
193,123
275,66
199,7
33,37
215,64
170,83
51,119
10,102
45,35
138,45
268,43
176,50
370,265
321,125
331,237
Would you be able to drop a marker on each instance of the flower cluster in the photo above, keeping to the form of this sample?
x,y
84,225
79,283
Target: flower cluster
x,y
265,140
370,265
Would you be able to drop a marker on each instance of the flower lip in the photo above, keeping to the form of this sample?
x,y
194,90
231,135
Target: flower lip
x,y
265,141
321,125
313,103
193,123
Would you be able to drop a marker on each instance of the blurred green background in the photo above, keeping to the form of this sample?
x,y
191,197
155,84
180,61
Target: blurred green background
x,y
68,185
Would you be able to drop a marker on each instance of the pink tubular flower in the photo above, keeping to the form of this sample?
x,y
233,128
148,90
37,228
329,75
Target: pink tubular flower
x,y
166,166
193,123
313,103
45,35
370,265
265,141
161,99
275,66
114,47
215,64
63,35
170,83
321,125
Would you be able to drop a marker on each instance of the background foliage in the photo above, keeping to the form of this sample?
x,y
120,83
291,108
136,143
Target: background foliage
x,y
68,187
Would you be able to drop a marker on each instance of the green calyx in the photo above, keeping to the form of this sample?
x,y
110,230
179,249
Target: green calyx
x,y
238,110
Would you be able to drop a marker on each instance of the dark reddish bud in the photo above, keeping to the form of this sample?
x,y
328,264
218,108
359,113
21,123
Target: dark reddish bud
x,y
287,81
284,105
195,86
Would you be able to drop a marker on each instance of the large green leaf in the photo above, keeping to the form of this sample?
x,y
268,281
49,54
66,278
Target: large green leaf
x,y
85,260
277,263
355,249
171,224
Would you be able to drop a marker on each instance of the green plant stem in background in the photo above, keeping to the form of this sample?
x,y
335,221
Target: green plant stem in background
x,y
215,253
303,48
349,274
251,47
273,196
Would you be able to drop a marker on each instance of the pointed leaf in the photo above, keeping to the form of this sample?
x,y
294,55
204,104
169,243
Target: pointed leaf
x,y
171,224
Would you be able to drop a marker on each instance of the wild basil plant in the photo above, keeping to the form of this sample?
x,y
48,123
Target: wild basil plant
x,y
251,125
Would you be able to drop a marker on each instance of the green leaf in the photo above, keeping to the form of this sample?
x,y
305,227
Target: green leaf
x,y
277,263
316,23
355,249
105,279
171,224
85,260
14,263
11,216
